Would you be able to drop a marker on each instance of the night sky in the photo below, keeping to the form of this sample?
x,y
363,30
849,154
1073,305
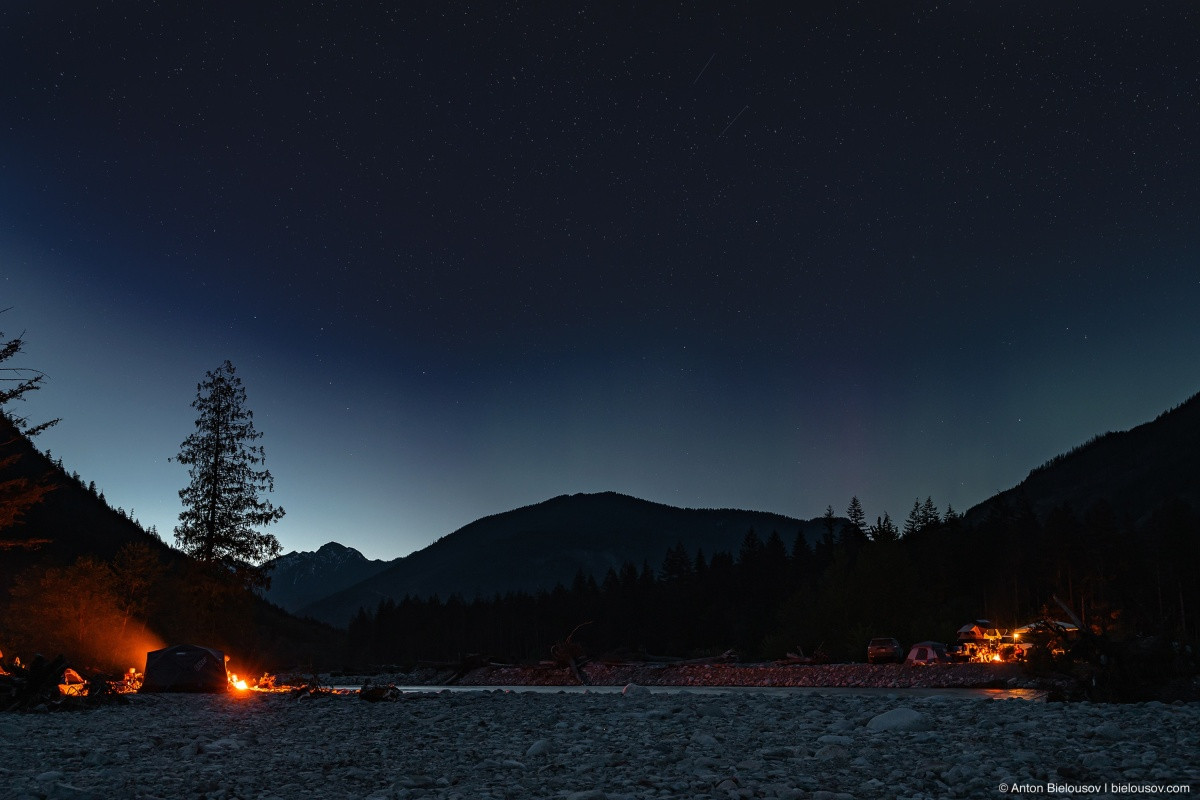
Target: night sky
x,y
471,257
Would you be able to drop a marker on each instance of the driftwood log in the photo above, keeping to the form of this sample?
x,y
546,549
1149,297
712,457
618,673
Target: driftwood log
x,y
469,663
569,653
378,694
310,687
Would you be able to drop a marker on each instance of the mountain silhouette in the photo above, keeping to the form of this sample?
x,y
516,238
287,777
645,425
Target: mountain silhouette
x,y
301,578
538,546
1133,471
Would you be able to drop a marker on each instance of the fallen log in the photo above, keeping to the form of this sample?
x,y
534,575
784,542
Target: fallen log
x,y
470,663
310,687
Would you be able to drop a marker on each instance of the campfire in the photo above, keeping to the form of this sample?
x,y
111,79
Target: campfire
x,y
264,683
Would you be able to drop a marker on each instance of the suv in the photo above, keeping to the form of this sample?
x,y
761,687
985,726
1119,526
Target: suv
x,y
881,651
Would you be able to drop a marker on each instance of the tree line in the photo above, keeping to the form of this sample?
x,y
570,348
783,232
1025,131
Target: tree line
x,y
920,581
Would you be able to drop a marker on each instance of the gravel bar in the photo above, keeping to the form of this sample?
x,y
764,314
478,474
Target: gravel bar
x,y
640,743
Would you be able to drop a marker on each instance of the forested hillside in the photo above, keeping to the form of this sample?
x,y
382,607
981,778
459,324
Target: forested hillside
x,y
1111,529
536,547
1124,579
81,578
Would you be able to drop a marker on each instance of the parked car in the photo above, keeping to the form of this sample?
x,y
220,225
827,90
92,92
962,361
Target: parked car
x,y
884,651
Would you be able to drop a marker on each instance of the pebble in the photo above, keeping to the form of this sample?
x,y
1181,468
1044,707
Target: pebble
x,y
591,746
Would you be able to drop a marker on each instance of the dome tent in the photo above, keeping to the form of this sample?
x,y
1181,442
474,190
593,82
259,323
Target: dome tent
x,y
927,653
185,668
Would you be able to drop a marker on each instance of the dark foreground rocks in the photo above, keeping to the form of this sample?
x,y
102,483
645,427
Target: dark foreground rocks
x,y
598,745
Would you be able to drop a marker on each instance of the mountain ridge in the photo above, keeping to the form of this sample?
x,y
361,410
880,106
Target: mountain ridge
x,y
301,577
537,546
1133,470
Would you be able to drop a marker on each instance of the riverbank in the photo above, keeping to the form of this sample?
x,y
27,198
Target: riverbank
x,y
879,676
640,745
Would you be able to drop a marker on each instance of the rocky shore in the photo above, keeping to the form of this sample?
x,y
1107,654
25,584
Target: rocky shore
x,y
640,744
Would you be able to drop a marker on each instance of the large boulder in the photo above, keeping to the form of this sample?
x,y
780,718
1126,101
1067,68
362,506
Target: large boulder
x,y
900,719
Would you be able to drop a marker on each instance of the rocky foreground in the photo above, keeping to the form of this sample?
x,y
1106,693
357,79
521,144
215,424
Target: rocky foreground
x,y
589,746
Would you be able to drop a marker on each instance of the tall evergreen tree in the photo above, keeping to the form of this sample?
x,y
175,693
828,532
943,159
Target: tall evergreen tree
x,y
222,507
884,530
802,558
952,520
856,515
752,549
913,523
929,513
677,564
829,521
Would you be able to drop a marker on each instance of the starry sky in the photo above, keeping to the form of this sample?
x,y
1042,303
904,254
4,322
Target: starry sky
x,y
467,257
